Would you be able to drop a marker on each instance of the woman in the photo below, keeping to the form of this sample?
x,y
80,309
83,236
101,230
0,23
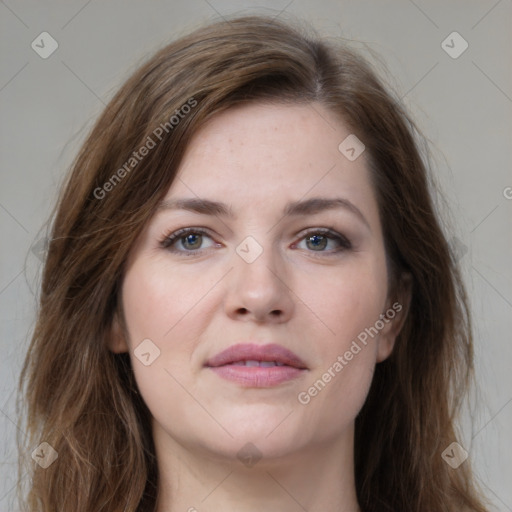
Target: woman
x,y
248,302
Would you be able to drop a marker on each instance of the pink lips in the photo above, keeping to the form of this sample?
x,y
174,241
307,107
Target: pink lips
x,y
257,365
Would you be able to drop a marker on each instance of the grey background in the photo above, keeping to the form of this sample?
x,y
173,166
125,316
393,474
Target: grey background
x,y
463,106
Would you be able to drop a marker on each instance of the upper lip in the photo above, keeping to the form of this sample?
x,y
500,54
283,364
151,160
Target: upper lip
x,y
253,352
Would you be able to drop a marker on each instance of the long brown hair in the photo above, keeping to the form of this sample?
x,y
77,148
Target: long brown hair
x,y
82,399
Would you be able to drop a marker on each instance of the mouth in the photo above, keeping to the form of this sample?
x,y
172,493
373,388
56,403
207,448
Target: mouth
x,y
252,365
261,364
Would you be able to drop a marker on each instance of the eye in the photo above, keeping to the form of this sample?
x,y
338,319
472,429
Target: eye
x,y
189,241
186,240
318,239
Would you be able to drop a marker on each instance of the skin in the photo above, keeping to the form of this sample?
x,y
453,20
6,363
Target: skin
x,y
314,301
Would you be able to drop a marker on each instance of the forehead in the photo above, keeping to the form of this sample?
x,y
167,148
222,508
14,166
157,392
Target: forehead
x,y
259,151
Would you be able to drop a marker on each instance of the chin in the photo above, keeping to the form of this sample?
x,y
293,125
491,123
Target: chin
x,y
273,430
249,450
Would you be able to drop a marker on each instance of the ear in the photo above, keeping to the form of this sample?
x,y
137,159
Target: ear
x,y
117,340
394,317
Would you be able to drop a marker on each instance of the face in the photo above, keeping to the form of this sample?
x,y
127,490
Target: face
x,y
269,272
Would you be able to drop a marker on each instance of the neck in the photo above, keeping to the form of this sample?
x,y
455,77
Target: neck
x,y
320,478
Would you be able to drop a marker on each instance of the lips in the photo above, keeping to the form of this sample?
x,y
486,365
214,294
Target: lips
x,y
251,355
257,366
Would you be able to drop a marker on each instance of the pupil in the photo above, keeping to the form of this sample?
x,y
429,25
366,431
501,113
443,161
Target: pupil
x,y
190,239
318,241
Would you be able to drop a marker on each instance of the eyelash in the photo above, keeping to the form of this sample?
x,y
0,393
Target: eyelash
x,y
169,239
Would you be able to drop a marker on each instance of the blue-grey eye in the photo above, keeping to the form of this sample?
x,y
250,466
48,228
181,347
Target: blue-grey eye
x,y
317,241
192,241
325,242
187,240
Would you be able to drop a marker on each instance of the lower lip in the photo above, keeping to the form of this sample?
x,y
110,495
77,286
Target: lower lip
x,y
257,376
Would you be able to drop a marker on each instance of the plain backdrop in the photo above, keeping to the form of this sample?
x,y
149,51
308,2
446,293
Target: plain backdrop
x,y
461,101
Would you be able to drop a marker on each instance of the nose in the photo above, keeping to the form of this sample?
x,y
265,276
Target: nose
x,y
259,291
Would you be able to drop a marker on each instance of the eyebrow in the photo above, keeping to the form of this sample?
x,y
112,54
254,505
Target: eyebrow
x,y
292,209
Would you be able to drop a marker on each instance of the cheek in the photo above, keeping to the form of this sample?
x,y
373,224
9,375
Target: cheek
x,y
156,311
339,384
347,301
158,299
338,403
158,307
